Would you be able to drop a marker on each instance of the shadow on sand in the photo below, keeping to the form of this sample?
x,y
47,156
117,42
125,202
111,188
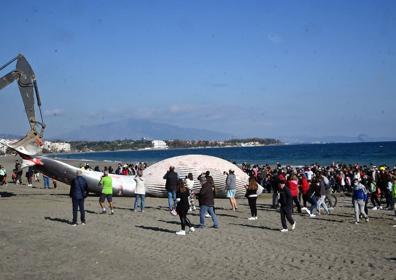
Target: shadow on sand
x,y
7,194
59,220
257,227
156,229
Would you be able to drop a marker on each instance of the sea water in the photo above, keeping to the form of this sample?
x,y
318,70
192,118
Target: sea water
x,y
363,153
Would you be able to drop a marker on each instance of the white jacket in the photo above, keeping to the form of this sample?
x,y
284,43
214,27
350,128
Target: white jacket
x,y
189,184
140,188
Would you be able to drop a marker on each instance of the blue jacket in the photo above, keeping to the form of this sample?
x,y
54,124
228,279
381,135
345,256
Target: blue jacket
x,y
78,188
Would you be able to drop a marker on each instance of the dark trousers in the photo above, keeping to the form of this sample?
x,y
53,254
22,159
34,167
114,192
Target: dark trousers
x,y
184,220
286,213
305,198
252,205
275,200
297,202
78,203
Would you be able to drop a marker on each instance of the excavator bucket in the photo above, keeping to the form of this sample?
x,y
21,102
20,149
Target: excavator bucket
x,y
31,145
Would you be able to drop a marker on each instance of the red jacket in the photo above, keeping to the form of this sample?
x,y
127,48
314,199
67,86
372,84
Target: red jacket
x,y
304,185
293,187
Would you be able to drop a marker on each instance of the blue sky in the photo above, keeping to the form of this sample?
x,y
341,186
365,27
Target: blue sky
x,y
249,68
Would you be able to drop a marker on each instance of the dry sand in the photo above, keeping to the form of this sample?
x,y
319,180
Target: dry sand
x,y
37,241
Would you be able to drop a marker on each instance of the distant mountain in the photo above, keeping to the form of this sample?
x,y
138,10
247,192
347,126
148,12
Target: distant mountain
x,y
138,129
10,136
333,139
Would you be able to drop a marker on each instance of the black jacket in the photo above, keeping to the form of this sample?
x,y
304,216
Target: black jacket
x,y
171,178
206,196
285,199
182,205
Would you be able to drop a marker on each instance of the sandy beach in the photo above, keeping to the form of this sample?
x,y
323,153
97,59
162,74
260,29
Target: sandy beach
x,y
37,241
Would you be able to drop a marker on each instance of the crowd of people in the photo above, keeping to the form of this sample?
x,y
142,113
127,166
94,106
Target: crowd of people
x,y
308,189
302,189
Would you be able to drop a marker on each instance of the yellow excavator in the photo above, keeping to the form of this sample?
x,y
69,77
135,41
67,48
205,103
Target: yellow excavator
x,y
32,143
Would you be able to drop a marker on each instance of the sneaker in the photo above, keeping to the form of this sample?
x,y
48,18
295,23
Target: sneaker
x,y
356,223
74,224
112,212
255,218
312,215
304,209
394,226
181,232
83,224
381,207
103,211
294,225
374,208
284,230
192,229
251,218
207,216
367,220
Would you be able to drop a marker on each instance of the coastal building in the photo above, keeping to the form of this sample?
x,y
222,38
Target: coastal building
x,y
57,146
159,144
3,145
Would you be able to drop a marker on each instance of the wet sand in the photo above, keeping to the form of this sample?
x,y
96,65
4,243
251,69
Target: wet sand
x,y
37,241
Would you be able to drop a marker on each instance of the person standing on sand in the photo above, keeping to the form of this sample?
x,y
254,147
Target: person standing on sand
x,y
78,193
206,202
182,207
322,192
171,178
46,181
190,185
231,189
251,195
359,197
292,184
3,176
140,191
286,204
107,192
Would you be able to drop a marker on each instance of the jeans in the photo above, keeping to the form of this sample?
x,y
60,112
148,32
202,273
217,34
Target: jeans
x,y
202,212
137,196
46,182
171,200
321,201
78,203
359,209
313,202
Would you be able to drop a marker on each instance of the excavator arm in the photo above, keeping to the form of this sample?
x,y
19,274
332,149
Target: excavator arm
x,y
32,143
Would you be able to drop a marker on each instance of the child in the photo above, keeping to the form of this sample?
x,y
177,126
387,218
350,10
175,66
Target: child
x,y
182,207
